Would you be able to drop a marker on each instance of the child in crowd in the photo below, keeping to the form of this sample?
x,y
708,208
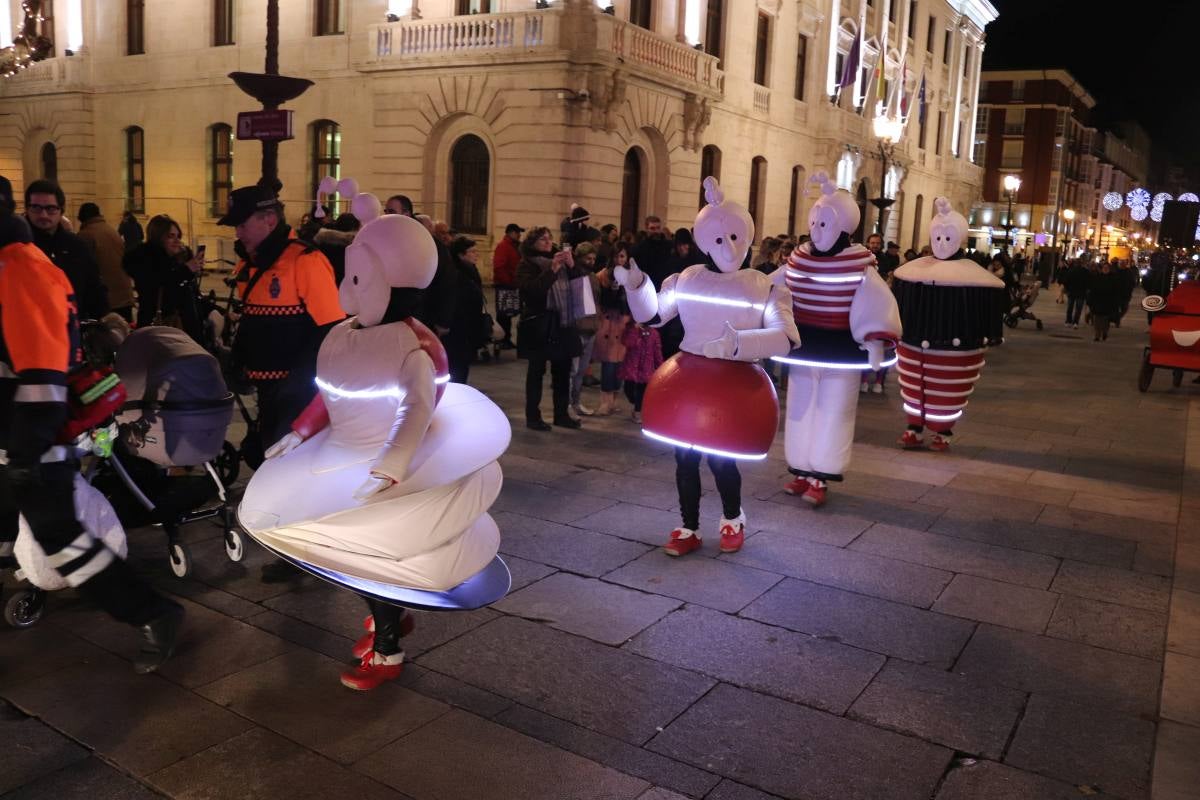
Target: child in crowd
x,y
643,355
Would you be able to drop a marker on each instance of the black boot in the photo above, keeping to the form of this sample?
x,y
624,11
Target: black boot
x,y
158,638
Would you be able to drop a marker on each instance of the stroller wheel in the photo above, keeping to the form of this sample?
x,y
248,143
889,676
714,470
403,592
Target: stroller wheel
x,y
235,546
181,560
24,607
228,463
1011,320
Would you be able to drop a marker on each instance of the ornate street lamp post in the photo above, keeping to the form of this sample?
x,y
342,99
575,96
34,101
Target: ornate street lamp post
x,y
888,131
1012,185
1069,231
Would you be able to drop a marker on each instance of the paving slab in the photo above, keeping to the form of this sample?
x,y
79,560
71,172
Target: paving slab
x,y
764,658
242,579
940,707
552,503
918,516
573,549
533,470
570,677
712,582
998,603
1156,558
309,637
1066,670
659,793
659,493
1124,587
1113,627
826,526
452,691
958,555
89,779
1137,530
986,505
463,757
280,695
525,572
1085,745
1183,631
588,607
610,752
987,780
260,765
802,753
31,749
34,653
912,584
1181,690
1176,768
141,722
650,526
732,790
867,622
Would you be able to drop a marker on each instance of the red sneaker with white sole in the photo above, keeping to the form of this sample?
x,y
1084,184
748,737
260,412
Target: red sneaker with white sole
x,y
798,486
815,495
939,443
366,643
911,441
733,535
681,545
374,671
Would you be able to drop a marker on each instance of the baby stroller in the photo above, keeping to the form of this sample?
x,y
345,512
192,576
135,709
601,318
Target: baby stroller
x,y
1021,300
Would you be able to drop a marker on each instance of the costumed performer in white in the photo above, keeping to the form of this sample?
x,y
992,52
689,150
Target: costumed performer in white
x,y
380,484
712,399
848,322
952,311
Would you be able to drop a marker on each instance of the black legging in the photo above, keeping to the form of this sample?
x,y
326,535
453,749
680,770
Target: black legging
x,y
387,627
560,382
687,480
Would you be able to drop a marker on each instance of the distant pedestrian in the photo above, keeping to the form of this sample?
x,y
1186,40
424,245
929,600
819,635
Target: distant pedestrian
x,y
130,230
1103,299
643,355
108,249
1075,285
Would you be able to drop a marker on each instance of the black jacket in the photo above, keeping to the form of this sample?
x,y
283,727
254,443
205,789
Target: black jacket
x,y
438,299
1104,293
1076,281
72,255
655,256
165,286
466,328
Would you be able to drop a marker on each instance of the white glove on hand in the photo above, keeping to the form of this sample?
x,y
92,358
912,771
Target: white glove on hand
x,y
874,349
723,347
373,486
630,277
285,445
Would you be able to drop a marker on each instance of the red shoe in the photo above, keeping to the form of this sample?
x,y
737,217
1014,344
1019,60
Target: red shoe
x,y
366,643
733,534
374,671
939,443
798,486
681,545
815,495
910,441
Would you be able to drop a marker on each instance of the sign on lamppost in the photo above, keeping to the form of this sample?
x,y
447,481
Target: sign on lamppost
x,y
270,125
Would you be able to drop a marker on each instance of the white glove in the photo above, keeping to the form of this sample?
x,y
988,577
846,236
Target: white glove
x,y
285,445
630,277
373,485
874,349
725,346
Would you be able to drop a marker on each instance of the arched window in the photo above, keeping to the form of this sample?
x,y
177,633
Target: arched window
x,y
49,161
631,191
135,169
919,211
470,175
220,180
326,154
794,203
845,171
758,190
860,197
710,165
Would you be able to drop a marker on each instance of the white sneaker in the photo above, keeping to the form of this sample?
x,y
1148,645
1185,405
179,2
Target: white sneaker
x,y
877,388
581,410
865,387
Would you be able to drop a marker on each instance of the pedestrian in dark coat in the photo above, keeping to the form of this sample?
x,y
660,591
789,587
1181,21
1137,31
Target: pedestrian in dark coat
x,y
1104,300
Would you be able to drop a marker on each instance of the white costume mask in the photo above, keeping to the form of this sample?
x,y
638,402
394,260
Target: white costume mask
x,y
834,213
948,231
390,252
724,230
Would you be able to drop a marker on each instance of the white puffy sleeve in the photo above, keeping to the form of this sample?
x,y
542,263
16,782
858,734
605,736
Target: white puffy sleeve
x,y
645,303
873,311
413,416
777,336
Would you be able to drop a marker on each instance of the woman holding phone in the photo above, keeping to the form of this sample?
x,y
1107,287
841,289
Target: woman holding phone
x,y
166,278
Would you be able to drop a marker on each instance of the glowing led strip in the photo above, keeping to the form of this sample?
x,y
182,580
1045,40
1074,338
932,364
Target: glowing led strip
x,y
717,301
394,392
935,417
844,278
803,362
710,450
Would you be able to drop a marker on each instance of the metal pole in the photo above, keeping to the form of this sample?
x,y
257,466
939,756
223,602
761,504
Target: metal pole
x,y
270,149
882,192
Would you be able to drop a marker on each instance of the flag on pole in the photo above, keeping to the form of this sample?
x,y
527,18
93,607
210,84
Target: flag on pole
x,y
921,101
903,90
850,68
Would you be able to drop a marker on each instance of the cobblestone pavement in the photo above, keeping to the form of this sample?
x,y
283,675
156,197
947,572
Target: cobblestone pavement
x,y
989,623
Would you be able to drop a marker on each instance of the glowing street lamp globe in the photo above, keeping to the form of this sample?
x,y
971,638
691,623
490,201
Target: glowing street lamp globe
x,y
1113,201
1011,183
888,128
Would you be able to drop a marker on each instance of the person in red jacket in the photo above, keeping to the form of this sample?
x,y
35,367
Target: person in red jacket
x,y
505,259
38,348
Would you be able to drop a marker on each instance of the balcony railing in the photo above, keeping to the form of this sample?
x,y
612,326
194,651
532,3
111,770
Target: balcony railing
x,y
640,46
465,35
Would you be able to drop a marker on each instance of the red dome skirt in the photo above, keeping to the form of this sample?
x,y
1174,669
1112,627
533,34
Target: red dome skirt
x,y
727,408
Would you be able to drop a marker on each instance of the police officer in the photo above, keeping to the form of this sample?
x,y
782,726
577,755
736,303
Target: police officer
x,y
39,346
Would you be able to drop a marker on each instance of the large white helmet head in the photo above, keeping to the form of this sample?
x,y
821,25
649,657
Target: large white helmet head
x,y
834,213
390,252
724,229
947,231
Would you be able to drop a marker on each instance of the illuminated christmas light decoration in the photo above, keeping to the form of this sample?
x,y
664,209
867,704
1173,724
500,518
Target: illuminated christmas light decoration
x,y
1112,201
1138,213
1160,199
1189,197
29,45
1137,198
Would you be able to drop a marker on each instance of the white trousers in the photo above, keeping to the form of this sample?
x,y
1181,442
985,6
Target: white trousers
x,y
819,432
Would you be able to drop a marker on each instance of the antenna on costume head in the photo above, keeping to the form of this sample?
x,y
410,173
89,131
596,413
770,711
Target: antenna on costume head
x,y
347,187
827,186
942,205
327,186
713,194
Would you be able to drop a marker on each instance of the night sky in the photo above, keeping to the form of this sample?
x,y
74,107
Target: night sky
x,y
1139,60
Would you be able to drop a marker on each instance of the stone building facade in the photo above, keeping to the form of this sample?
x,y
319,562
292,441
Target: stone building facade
x,y
509,114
